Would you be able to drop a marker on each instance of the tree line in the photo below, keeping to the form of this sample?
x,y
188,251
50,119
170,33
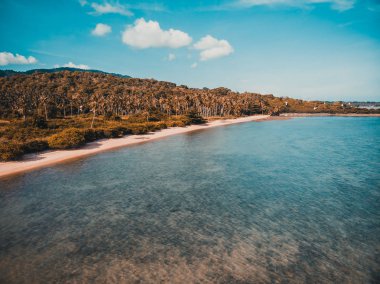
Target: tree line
x,y
70,93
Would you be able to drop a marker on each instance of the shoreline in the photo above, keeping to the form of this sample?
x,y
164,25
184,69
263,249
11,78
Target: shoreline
x,y
47,158
290,115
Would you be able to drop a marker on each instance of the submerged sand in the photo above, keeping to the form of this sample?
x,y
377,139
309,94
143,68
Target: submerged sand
x,y
290,115
47,158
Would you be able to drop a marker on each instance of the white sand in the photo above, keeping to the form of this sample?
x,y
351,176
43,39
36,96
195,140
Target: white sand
x,y
47,158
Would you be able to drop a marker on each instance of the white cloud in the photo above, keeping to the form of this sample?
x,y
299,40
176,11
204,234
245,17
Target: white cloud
x,y
101,30
8,58
107,8
79,66
213,48
171,57
145,34
194,65
83,2
72,65
340,5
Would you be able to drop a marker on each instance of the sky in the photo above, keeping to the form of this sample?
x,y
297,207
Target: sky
x,y
307,49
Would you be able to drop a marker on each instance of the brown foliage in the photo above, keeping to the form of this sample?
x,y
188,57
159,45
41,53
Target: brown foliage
x,y
10,150
68,138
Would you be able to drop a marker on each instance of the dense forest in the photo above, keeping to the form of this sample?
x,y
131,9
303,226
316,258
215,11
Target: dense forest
x,y
65,109
68,93
8,73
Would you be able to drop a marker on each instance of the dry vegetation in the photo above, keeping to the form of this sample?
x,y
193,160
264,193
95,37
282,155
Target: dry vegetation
x,y
67,109
18,137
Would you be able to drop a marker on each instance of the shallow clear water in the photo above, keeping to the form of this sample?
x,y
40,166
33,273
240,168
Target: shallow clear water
x,y
295,201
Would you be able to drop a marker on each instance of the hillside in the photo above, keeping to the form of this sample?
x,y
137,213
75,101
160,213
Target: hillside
x,y
65,109
7,73
60,93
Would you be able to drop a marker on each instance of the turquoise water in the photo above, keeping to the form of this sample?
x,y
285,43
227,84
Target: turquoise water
x,y
295,201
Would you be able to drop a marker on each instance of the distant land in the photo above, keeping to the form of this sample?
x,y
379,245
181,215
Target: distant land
x,y
366,105
7,73
371,105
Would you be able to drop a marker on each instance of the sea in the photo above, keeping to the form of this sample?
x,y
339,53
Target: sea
x,y
283,201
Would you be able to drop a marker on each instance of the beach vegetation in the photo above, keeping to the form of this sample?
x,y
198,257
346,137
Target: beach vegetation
x,y
66,109
67,139
10,150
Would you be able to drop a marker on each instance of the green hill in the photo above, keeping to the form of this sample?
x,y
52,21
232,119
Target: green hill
x,y
8,73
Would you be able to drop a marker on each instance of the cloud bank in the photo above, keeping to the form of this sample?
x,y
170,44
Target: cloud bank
x,y
212,48
148,34
101,30
7,58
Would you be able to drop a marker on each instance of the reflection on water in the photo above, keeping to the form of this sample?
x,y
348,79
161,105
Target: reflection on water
x,y
294,201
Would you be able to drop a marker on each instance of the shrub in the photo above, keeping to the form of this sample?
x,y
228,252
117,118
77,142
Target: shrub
x,y
137,118
89,135
178,123
10,150
35,146
138,129
39,122
125,130
111,133
120,130
144,117
161,125
156,126
108,115
151,127
108,132
99,133
69,138
195,118
154,117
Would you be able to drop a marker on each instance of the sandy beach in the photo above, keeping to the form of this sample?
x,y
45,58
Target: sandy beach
x,y
47,158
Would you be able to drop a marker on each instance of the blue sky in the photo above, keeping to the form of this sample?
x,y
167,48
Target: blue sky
x,y
309,49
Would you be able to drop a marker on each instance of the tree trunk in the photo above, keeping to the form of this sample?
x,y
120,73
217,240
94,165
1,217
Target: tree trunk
x,y
46,113
93,118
